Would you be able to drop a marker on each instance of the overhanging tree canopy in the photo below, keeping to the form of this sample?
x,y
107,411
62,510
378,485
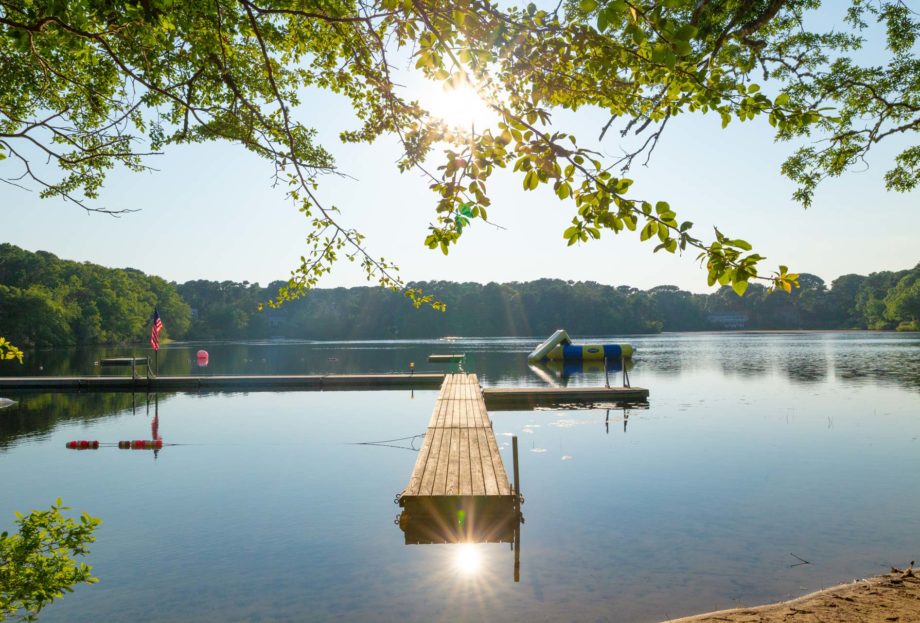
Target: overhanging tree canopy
x,y
91,84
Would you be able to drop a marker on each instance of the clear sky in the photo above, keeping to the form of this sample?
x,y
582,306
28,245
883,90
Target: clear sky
x,y
210,212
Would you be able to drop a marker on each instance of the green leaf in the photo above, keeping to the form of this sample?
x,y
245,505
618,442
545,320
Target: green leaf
x,y
646,232
685,32
602,20
741,244
739,287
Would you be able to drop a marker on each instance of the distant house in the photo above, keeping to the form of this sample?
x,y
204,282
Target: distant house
x,y
729,320
194,313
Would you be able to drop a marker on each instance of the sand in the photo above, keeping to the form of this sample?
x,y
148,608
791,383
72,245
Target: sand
x,y
882,599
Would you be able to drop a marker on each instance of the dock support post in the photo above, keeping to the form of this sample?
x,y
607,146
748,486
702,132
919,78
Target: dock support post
x,y
517,551
517,509
606,374
517,476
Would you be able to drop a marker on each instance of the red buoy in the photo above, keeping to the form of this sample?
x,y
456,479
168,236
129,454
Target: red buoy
x,y
141,444
202,357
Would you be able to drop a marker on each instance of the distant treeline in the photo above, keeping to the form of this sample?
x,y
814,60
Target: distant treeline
x,y
46,301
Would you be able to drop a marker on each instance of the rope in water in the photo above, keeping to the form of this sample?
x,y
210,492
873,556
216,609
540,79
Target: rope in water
x,y
388,443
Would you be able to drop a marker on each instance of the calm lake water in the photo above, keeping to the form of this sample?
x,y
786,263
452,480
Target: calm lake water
x,y
754,447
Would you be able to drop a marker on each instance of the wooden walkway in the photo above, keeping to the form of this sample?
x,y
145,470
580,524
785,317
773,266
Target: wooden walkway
x,y
459,471
459,456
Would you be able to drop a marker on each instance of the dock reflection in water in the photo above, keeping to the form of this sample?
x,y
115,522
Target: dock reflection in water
x,y
464,521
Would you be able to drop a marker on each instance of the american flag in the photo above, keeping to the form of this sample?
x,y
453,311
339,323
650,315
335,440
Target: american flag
x,y
155,330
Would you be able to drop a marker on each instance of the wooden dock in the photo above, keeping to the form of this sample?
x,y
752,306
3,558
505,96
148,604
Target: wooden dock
x,y
318,382
450,358
459,485
524,398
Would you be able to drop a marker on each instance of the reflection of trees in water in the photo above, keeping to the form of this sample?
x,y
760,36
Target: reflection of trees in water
x,y
804,367
897,365
70,361
676,356
802,358
665,366
38,414
664,357
748,363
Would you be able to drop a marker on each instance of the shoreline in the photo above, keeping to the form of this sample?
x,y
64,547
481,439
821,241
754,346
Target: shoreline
x,y
884,598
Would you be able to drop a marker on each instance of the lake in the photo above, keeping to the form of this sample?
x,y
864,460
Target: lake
x,y
757,451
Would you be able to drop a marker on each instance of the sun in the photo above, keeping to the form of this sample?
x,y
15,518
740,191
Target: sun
x,y
468,559
459,107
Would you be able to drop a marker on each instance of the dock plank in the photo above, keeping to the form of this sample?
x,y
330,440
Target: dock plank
x,y
501,477
488,467
440,478
429,465
453,464
466,478
418,472
477,481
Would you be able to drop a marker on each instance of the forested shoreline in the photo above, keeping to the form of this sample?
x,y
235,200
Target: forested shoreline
x,y
46,301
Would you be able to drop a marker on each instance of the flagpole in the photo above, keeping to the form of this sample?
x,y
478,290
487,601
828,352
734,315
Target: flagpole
x,y
155,341
156,417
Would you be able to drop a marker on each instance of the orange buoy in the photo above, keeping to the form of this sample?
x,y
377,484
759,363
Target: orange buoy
x,y
83,444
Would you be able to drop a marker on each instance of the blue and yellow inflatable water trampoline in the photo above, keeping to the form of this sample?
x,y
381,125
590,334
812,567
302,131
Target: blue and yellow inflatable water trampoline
x,y
559,347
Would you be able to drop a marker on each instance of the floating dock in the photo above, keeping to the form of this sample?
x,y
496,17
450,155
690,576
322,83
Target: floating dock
x,y
320,382
523,398
433,358
459,489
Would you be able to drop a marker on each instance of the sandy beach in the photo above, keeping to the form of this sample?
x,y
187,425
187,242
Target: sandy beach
x,y
882,599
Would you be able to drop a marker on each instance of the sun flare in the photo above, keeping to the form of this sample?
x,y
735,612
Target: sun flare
x,y
468,559
458,107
